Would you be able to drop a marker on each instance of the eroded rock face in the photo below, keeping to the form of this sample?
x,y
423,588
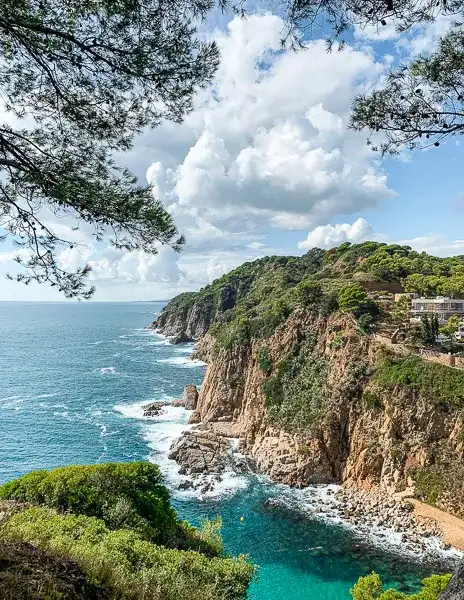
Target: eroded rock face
x,y
374,448
455,588
379,447
189,398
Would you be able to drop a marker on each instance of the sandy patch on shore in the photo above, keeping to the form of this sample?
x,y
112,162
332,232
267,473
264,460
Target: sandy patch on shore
x,y
452,527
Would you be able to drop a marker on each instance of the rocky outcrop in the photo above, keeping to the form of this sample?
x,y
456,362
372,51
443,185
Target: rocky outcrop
x,y
455,588
189,316
382,445
372,439
204,455
181,338
189,398
153,409
200,451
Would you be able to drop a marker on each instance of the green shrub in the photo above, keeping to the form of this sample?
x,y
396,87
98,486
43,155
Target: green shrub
x,y
123,495
264,360
338,340
437,383
429,484
297,391
352,298
371,588
133,568
371,399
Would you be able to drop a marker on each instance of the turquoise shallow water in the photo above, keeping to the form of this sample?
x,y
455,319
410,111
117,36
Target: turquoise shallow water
x,y
72,379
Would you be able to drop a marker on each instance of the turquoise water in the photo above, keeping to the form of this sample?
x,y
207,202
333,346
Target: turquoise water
x,y
72,380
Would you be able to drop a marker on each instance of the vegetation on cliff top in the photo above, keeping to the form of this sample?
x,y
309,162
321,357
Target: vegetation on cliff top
x,y
251,301
437,383
114,522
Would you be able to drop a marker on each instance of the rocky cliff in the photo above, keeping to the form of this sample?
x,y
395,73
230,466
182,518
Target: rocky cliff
x,y
319,400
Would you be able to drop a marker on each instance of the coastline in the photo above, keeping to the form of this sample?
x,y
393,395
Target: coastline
x,y
406,525
452,528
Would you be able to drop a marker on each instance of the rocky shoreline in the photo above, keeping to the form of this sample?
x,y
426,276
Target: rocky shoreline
x,y
376,510
205,453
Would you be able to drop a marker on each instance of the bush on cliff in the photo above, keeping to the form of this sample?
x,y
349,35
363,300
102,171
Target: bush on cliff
x,y
125,563
371,588
296,392
439,384
124,495
28,573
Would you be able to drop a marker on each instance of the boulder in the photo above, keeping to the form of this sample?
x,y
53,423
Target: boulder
x,y
189,398
195,418
200,451
181,338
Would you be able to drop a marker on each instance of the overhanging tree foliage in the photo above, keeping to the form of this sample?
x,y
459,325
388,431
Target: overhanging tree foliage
x,y
337,16
421,103
79,79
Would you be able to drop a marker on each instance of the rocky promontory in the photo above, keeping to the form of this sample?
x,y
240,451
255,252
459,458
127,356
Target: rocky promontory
x,y
315,393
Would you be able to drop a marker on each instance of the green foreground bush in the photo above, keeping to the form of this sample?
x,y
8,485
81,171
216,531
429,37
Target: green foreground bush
x,y
371,588
124,495
131,567
115,522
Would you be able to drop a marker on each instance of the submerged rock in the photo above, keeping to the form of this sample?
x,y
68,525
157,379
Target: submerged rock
x,y
153,409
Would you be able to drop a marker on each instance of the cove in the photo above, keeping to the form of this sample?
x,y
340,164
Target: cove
x,y
73,378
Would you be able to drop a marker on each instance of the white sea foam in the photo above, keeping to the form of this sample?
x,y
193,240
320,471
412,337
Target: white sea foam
x,y
185,348
180,361
10,398
320,502
11,403
135,410
109,371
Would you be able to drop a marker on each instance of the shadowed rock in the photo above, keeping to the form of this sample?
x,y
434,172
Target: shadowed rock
x,y
455,588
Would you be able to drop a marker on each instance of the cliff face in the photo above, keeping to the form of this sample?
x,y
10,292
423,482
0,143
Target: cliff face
x,y
298,374
364,436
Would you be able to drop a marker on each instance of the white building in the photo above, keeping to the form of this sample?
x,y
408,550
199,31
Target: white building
x,y
443,307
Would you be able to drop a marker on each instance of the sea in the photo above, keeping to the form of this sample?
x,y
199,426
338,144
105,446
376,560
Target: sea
x,y
73,380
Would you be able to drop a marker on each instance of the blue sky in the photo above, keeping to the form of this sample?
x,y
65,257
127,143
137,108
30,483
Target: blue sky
x,y
266,164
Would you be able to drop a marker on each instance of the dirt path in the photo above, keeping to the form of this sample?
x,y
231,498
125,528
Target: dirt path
x,y
452,527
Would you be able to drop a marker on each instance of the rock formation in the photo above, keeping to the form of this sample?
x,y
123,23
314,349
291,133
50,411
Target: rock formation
x,y
153,409
189,398
455,588
200,451
390,439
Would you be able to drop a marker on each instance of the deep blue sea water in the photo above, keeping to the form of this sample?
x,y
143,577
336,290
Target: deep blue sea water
x,y
73,377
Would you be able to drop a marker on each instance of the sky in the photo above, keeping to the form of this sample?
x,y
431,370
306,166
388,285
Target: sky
x,y
265,164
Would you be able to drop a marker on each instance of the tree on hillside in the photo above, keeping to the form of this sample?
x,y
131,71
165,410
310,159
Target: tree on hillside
x,y
430,328
451,327
401,312
79,79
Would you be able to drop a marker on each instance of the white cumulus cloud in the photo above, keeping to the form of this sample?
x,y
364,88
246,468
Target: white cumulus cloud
x,y
329,236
